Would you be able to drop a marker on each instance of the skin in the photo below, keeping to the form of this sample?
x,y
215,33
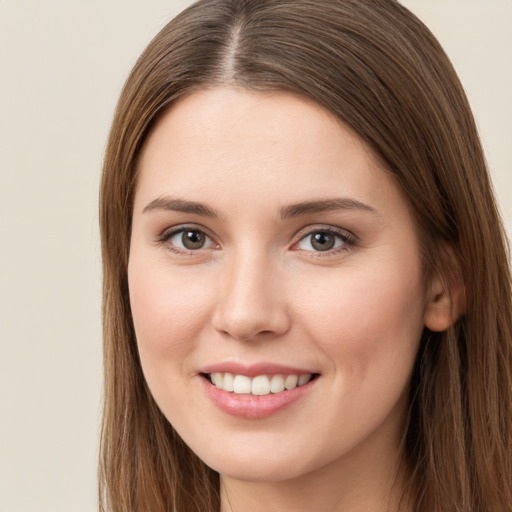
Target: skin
x,y
258,290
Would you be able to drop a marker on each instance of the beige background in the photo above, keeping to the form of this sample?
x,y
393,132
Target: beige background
x,y
62,64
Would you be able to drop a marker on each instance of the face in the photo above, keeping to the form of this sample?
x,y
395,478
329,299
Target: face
x,y
276,285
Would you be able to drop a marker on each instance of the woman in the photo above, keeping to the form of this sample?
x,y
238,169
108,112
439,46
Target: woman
x,y
306,284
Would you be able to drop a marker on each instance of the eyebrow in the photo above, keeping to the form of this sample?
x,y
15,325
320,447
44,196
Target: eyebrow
x,y
338,203
167,203
180,205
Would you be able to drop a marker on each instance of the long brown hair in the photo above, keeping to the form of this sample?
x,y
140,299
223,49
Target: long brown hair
x,y
377,68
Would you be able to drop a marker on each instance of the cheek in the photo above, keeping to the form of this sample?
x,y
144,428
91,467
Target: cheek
x,y
368,319
169,312
369,330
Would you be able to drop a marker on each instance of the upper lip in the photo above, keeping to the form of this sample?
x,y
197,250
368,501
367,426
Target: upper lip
x,y
253,370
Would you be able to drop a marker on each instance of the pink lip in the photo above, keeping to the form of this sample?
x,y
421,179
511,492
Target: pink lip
x,y
254,407
253,370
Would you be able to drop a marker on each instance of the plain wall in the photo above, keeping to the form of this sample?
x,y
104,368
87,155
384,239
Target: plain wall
x,y
62,65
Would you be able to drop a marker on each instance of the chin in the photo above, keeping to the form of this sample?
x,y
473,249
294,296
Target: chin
x,y
258,471
253,463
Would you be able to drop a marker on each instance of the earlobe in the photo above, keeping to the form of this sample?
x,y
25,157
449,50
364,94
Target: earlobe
x,y
446,303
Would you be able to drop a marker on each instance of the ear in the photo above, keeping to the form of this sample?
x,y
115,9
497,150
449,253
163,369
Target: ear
x,y
446,300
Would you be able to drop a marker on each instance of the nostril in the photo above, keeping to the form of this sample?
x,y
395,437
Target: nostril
x,y
249,304
252,325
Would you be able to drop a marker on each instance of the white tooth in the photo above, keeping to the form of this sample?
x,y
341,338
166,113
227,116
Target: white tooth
x,y
228,382
304,379
260,385
217,379
242,385
291,381
277,384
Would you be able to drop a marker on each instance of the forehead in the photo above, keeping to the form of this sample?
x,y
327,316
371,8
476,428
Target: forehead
x,y
224,144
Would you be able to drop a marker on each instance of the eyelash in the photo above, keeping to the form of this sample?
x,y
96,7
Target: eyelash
x,y
169,234
348,240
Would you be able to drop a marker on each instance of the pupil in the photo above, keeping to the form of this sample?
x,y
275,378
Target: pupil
x,y
322,241
193,239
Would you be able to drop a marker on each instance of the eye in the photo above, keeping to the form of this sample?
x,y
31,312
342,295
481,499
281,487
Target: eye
x,y
323,240
188,239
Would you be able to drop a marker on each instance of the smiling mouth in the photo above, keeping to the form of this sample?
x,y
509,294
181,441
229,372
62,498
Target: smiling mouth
x,y
260,385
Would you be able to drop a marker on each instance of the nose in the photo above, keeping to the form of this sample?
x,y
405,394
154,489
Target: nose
x,y
251,301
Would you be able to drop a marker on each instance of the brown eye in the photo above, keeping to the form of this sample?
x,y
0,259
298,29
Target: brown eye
x,y
188,239
193,239
324,240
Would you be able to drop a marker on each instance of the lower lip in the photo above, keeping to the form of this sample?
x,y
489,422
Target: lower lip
x,y
251,406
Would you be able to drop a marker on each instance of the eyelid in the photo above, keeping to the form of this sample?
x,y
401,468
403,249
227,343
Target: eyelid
x,y
169,232
349,239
